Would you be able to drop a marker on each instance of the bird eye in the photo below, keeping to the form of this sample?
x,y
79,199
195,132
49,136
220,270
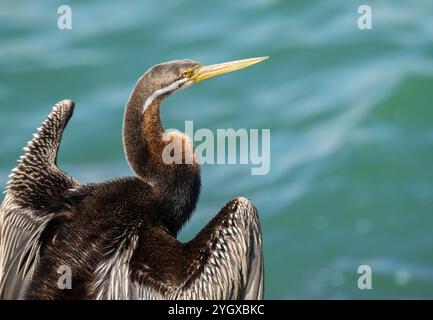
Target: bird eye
x,y
188,73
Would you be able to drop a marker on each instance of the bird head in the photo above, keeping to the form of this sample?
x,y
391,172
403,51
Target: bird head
x,y
165,78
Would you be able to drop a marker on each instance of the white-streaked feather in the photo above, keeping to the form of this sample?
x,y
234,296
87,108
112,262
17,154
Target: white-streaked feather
x,y
234,270
179,84
20,224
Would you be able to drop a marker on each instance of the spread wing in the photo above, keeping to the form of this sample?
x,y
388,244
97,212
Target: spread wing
x,y
30,202
224,261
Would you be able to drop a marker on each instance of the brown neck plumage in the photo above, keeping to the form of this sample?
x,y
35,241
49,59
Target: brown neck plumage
x,y
177,185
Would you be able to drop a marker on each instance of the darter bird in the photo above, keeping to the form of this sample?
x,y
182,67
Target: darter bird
x,y
118,238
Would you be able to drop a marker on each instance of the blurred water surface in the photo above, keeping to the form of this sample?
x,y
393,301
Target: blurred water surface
x,y
350,113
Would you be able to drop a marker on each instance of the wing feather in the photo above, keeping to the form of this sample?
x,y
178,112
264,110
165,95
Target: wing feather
x,y
27,208
224,261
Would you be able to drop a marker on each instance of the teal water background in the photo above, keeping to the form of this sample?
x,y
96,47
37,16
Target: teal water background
x,y
350,113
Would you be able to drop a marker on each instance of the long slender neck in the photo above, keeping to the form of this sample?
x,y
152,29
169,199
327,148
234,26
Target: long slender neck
x,y
176,185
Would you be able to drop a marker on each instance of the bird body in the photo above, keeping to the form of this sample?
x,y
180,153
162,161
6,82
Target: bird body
x,y
118,237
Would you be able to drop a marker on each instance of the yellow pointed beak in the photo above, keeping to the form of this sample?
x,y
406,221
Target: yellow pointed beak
x,y
206,72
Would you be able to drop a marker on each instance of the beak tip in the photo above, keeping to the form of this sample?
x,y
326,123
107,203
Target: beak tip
x,y
259,59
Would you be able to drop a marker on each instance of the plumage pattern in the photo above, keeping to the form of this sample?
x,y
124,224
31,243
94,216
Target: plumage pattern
x,y
30,201
228,265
